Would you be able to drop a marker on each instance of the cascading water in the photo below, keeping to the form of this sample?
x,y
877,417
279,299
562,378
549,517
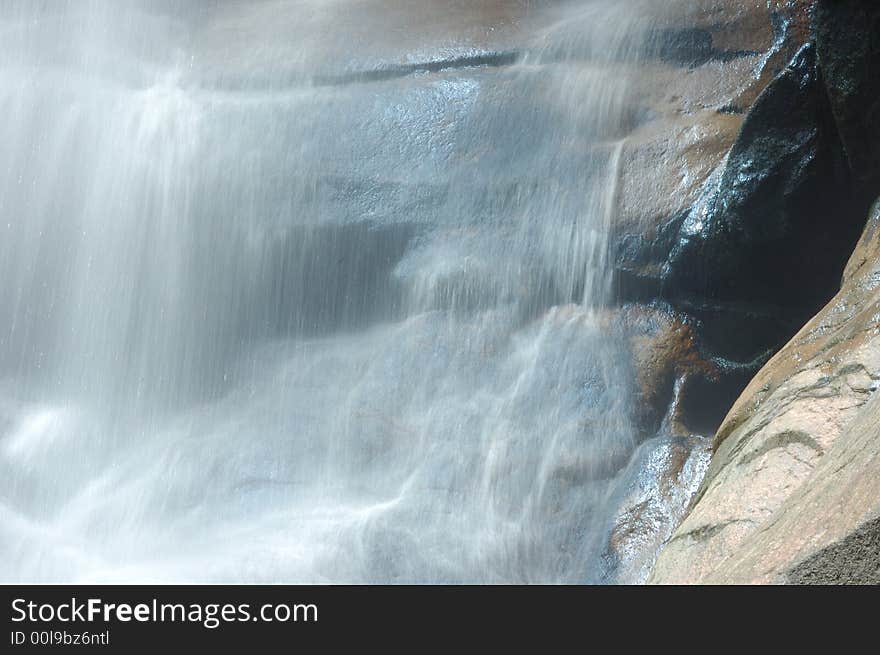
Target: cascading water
x,y
310,291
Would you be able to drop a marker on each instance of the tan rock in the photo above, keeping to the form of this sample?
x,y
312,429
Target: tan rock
x,y
738,27
828,531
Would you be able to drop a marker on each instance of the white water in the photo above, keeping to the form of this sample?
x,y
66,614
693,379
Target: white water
x,y
263,321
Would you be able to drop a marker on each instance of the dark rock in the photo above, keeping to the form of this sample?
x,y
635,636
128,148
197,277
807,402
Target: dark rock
x,y
703,398
638,260
770,236
854,560
691,120
848,43
690,47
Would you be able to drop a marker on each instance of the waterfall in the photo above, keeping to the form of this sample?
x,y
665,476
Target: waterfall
x,y
311,290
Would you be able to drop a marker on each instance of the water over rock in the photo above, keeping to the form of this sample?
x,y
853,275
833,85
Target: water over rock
x,y
316,291
661,479
330,291
665,358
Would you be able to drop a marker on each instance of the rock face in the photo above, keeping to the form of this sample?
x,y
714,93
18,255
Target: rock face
x,y
738,208
743,174
791,494
797,459
849,51
828,531
713,96
761,250
695,104
742,187
445,114
785,442
773,191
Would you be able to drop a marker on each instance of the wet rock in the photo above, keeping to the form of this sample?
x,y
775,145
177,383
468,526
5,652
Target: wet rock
x,y
690,46
791,24
766,166
694,112
797,455
665,357
697,152
848,42
653,199
769,236
658,486
337,44
762,36
791,494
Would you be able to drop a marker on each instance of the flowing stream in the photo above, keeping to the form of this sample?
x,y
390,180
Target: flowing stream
x,y
311,290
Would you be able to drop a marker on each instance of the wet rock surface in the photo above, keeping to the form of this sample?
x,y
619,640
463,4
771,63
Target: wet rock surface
x,y
740,190
743,231
848,42
796,450
695,107
769,236
659,484
739,179
770,164
665,359
742,180
398,214
790,495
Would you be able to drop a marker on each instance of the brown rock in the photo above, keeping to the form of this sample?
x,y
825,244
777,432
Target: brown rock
x,y
664,354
